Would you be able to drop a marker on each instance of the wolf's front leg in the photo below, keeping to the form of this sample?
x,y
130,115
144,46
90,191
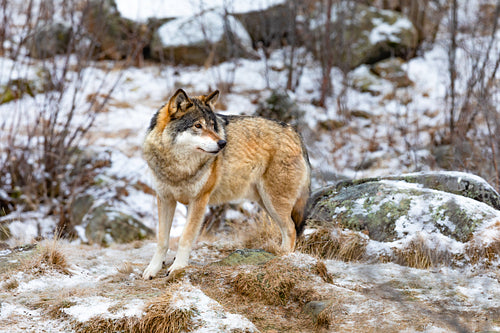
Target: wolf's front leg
x,y
166,210
196,211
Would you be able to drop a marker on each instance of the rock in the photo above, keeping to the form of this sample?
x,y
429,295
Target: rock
x,y
246,257
391,208
279,106
209,38
106,225
364,80
372,35
392,70
314,308
78,209
269,27
113,36
48,40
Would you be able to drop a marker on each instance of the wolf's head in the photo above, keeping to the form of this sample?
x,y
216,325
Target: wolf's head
x,y
191,122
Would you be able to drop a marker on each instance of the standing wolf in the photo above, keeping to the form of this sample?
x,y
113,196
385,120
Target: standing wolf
x,y
199,157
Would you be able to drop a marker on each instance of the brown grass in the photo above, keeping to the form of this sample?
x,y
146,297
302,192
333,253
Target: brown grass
x,y
321,270
333,244
160,315
48,257
419,255
259,233
477,252
10,284
271,283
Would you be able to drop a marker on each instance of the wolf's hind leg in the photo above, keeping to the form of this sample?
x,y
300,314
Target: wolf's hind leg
x,y
166,210
280,211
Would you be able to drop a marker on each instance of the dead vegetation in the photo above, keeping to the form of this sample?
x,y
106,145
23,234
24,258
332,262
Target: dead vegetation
x,y
161,314
48,256
346,245
335,243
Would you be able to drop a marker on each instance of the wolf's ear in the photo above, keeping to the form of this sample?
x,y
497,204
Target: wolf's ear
x,y
212,98
179,101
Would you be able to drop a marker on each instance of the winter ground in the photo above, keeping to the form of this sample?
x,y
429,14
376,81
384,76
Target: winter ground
x,y
387,297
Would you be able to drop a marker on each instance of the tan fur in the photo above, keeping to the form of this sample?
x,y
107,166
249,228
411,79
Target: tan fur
x,y
263,161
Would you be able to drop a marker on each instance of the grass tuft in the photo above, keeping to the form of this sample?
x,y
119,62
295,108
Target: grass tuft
x,y
418,254
271,283
334,244
48,257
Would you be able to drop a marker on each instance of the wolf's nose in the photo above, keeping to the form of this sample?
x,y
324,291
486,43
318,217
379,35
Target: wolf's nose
x,y
221,143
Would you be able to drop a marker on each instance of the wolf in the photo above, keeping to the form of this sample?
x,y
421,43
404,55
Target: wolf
x,y
199,158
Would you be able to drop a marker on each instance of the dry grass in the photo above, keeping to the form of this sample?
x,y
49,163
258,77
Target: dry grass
x,y
418,254
48,257
334,244
107,325
261,232
10,284
321,270
160,315
477,252
272,283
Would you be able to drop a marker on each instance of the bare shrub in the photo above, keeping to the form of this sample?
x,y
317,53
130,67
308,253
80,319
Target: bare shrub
x,y
472,92
43,158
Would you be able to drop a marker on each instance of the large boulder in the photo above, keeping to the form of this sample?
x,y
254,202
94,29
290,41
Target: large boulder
x,y
209,38
389,208
371,35
106,225
447,212
112,36
270,27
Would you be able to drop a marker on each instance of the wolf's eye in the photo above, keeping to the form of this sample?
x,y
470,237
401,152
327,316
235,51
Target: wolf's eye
x,y
198,126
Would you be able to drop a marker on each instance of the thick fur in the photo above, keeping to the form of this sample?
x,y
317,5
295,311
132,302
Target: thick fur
x,y
199,158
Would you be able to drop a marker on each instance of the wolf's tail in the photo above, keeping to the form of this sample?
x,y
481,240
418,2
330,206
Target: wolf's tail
x,y
300,209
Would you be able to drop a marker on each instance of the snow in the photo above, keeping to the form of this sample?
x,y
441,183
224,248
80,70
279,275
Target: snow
x,y
120,130
141,10
211,315
99,306
387,32
209,26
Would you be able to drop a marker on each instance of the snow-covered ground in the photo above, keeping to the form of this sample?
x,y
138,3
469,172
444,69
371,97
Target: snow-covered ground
x,y
394,123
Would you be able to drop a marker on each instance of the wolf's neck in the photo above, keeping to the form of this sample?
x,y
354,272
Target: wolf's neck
x,y
179,167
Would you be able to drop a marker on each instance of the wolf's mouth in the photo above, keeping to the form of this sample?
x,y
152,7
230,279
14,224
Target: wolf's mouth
x,y
209,152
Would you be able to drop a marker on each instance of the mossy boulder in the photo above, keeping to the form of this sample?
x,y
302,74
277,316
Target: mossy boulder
x,y
246,257
391,208
209,38
370,34
106,225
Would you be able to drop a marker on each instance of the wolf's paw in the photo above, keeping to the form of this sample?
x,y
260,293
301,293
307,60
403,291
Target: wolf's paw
x,y
175,274
151,271
176,270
